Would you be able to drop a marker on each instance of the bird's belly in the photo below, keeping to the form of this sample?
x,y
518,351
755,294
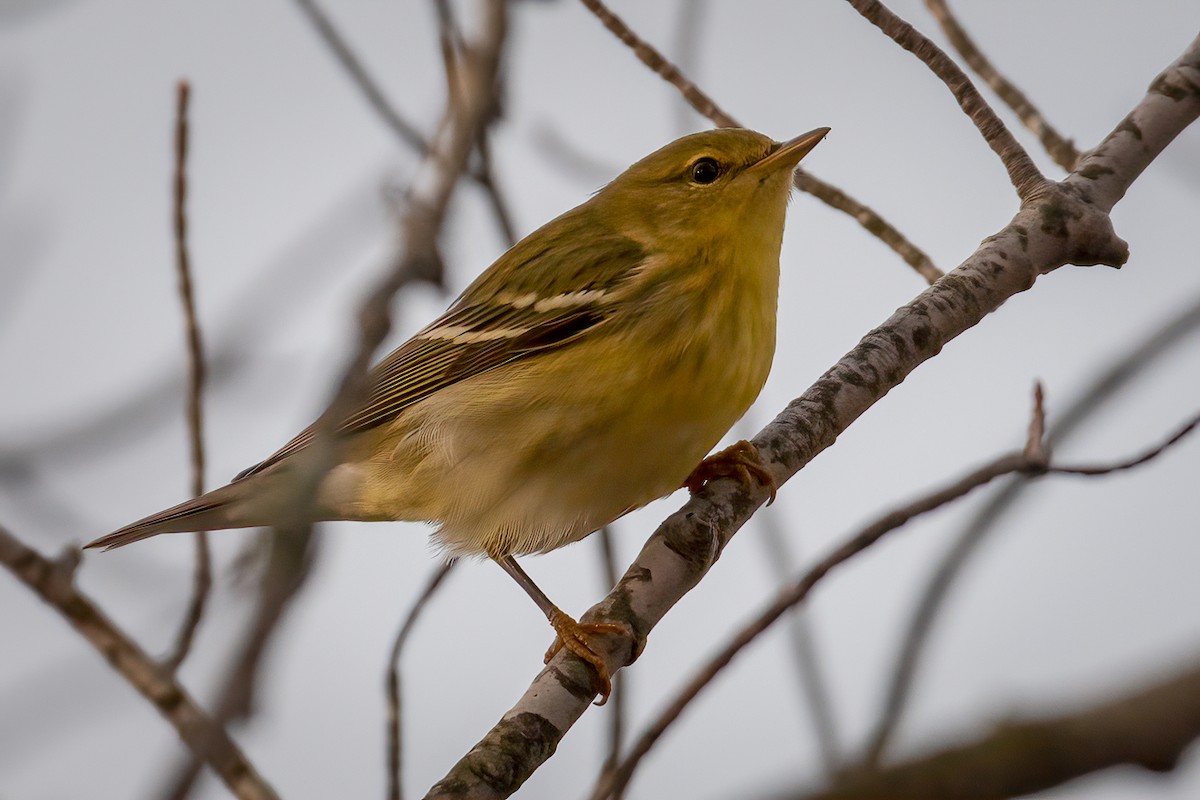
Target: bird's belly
x,y
562,446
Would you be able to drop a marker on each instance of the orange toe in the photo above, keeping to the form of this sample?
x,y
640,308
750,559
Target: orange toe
x,y
740,461
577,638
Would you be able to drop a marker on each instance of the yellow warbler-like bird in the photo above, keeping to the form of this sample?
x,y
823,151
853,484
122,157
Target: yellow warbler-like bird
x,y
584,374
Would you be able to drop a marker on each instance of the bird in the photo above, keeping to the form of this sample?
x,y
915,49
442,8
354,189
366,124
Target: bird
x,y
587,372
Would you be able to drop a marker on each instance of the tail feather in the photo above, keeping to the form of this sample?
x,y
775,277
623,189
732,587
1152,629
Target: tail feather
x,y
209,511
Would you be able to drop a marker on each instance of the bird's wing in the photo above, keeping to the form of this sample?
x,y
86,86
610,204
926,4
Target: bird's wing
x,y
490,325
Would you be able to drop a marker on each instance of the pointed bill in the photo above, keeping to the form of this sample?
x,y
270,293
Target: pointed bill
x,y
789,153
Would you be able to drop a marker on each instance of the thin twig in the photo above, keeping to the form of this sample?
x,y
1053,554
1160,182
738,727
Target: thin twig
x,y
691,18
815,689
797,593
395,742
202,576
1061,149
371,90
870,219
1022,172
53,581
805,181
1103,389
287,559
404,130
1137,461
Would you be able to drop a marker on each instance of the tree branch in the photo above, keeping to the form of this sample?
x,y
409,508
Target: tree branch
x,y
1149,728
202,577
1061,149
1022,172
53,581
395,742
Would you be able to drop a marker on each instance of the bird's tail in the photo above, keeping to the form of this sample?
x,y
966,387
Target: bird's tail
x,y
212,511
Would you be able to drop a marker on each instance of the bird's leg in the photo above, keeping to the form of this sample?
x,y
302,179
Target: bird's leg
x,y
575,636
740,461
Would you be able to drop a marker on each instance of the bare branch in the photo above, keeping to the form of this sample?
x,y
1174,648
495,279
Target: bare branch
x,y
805,181
1035,441
202,577
404,130
813,684
1022,172
394,739
287,558
53,581
876,225
1061,149
371,90
1150,728
1137,461
1171,104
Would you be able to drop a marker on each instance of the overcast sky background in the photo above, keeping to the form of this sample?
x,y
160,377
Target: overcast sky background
x,y
1091,585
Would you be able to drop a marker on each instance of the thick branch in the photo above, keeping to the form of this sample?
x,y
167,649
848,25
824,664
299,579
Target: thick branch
x,y
1171,104
1150,728
54,582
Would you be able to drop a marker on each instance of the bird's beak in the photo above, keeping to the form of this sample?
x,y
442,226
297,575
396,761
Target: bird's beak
x,y
788,154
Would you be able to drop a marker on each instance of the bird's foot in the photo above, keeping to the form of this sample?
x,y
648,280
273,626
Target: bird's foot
x,y
577,636
740,461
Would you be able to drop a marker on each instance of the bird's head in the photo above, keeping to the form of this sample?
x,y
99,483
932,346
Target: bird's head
x,y
709,184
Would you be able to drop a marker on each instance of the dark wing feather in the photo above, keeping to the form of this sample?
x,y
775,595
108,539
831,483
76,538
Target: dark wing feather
x,y
424,365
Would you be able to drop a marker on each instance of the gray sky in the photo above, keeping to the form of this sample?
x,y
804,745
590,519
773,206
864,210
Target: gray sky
x,y
1090,585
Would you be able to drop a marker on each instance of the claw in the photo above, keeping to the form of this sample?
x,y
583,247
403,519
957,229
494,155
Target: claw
x,y
740,461
576,637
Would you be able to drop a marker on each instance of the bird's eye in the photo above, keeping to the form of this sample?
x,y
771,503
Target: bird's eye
x,y
705,170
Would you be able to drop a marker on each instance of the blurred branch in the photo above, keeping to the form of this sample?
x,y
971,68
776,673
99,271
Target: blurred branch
x,y
405,132
691,18
258,311
371,90
813,686
395,742
1061,149
202,576
805,181
1104,388
426,204
1022,172
1150,728
53,581
287,561
616,701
